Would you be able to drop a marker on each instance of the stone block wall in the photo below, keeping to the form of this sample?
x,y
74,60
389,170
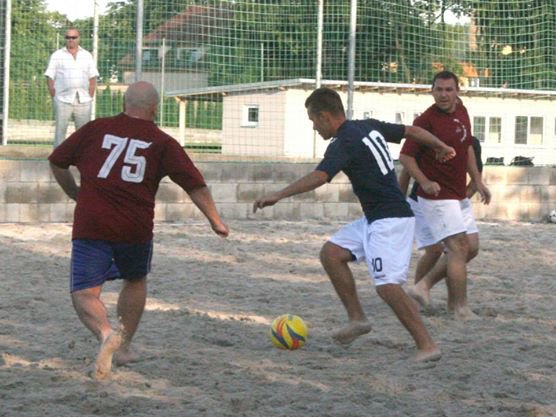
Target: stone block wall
x,y
29,193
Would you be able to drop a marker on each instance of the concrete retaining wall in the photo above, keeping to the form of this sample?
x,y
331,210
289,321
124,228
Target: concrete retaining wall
x,y
29,193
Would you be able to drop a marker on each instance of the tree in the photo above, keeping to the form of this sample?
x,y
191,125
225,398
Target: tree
x,y
516,42
34,38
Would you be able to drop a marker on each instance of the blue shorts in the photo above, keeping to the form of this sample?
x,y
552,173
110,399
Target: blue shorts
x,y
93,262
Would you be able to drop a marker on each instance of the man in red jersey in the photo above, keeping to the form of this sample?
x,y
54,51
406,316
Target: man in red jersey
x,y
121,161
442,192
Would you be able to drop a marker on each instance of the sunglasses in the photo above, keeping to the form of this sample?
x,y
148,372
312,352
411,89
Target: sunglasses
x,y
72,37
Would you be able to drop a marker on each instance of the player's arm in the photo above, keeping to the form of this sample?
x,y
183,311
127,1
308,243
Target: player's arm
x,y
424,137
66,180
50,85
307,183
403,180
476,177
410,164
470,190
202,198
92,85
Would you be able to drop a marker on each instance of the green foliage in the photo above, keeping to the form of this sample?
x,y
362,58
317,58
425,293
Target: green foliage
x,y
244,41
28,100
518,55
33,38
109,102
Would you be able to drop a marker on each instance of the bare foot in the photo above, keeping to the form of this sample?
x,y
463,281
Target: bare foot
x,y
429,355
125,355
420,294
103,363
352,331
465,314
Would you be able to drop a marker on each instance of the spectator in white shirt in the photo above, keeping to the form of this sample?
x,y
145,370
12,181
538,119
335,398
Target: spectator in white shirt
x,y
71,78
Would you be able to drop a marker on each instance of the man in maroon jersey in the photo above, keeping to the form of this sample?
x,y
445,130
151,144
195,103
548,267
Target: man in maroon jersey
x,y
121,161
442,192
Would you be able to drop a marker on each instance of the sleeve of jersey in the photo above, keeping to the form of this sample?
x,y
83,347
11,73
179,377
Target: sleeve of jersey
x,y
51,69
393,132
179,167
335,159
66,154
410,147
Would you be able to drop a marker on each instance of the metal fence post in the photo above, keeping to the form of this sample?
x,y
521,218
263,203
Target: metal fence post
x,y
6,81
139,41
351,57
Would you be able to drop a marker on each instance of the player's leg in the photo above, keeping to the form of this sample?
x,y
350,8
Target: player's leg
x,y
408,315
428,260
456,280
92,312
471,228
420,292
446,221
424,240
457,296
82,114
62,116
90,265
344,247
131,304
473,241
389,251
440,269
134,263
432,251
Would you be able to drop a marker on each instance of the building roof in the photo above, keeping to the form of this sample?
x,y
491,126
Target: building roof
x,y
191,26
309,84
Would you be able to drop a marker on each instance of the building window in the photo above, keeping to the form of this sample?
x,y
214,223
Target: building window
x,y
189,56
529,130
250,117
399,118
479,127
494,130
521,130
150,56
367,114
535,132
474,82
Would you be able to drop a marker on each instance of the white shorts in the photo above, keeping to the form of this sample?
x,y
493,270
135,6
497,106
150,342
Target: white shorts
x,y
385,244
423,234
446,218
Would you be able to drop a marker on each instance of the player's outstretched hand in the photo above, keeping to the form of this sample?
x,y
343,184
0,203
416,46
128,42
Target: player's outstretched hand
x,y
265,201
445,154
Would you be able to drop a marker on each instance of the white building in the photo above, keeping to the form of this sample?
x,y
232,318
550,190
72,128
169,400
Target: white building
x,y
269,118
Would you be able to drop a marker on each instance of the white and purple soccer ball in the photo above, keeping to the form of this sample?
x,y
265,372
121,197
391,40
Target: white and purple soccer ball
x,y
552,216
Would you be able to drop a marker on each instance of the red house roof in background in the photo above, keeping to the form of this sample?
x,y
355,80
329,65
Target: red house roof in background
x,y
192,26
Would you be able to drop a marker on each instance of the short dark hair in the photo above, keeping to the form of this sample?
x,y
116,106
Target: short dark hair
x,y
324,99
445,75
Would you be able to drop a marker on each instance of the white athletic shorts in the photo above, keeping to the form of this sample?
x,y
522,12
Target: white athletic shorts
x,y
385,244
423,234
446,218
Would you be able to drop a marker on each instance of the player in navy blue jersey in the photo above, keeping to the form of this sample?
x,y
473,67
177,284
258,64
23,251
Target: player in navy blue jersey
x,y
383,237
